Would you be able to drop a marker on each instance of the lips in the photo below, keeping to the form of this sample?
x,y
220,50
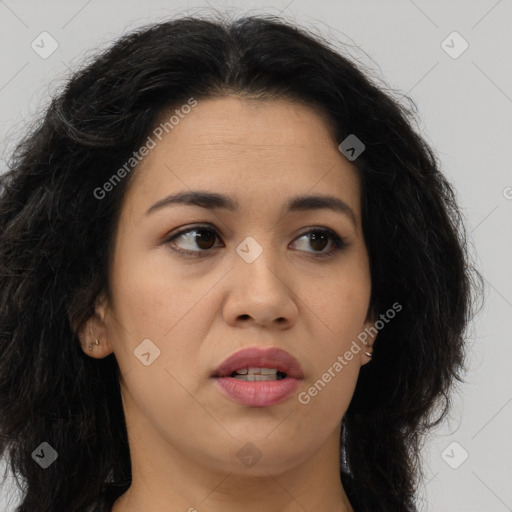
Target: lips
x,y
256,357
255,392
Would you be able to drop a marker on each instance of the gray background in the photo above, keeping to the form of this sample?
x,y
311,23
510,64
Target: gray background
x,y
465,105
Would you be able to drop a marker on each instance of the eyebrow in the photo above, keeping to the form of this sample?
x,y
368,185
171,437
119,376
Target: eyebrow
x,y
212,201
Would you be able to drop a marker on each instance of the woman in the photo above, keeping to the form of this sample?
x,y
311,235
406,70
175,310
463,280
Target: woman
x,y
207,207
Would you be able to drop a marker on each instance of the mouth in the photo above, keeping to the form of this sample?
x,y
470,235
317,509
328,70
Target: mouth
x,y
259,377
257,364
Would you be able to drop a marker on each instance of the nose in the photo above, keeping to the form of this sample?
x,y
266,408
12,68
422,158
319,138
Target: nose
x,y
261,293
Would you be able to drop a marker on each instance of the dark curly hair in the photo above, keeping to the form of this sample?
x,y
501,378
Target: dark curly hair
x,y
56,239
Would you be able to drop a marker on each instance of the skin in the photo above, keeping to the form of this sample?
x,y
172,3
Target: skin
x,y
184,434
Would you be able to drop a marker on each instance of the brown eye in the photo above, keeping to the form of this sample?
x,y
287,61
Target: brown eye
x,y
205,238
319,240
198,237
201,239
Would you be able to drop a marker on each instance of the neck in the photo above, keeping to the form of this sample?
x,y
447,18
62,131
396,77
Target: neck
x,y
166,479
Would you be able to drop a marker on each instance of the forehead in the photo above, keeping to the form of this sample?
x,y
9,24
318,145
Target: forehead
x,y
235,145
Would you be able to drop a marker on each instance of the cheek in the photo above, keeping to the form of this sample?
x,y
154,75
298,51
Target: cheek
x,y
163,397
171,313
150,295
322,404
336,312
339,304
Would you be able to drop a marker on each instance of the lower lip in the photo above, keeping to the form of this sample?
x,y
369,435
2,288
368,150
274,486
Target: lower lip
x,y
258,394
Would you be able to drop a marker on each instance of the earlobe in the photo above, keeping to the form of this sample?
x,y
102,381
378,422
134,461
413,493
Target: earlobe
x,y
367,337
91,345
93,335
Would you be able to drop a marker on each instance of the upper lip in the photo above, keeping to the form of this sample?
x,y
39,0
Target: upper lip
x,y
261,358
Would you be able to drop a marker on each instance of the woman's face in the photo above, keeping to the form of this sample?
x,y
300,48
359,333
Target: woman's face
x,y
257,275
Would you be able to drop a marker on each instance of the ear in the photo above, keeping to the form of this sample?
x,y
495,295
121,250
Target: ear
x,y
93,334
367,337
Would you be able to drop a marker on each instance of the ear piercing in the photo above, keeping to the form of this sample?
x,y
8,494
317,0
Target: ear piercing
x,y
369,354
91,345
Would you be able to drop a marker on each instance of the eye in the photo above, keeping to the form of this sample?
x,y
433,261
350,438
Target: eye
x,y
204,238
319,238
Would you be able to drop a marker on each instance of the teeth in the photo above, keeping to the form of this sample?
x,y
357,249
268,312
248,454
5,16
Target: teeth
x,y
257,371
254,374
251,377
264,371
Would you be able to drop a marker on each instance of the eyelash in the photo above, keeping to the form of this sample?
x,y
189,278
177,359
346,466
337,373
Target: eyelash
x,y
339,243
